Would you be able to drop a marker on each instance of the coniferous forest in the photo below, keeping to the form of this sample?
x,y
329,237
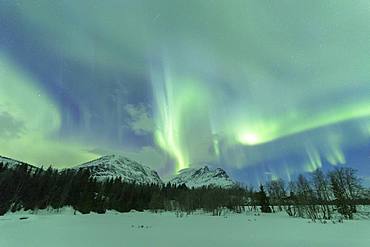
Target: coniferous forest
x,y
26,187
318,197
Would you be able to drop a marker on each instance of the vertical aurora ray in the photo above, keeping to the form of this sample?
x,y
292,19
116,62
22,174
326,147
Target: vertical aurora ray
x,y
168,118
264,86
334,152
179,101
168,135
314,158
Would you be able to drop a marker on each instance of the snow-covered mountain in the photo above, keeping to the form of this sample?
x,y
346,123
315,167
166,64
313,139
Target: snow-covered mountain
x,y
199,177
11,163
114,166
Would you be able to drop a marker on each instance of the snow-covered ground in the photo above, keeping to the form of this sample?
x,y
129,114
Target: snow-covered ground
x,y
160,230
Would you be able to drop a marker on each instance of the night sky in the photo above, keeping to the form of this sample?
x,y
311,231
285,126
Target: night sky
x,y
263,89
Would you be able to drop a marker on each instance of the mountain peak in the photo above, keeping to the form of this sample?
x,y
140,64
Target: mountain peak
x,y
118,166
204,176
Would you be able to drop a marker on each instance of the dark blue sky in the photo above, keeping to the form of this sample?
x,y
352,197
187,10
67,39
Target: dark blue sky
x,y
263,89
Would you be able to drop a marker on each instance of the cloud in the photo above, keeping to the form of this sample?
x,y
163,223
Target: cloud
x,y
140,121
9,126
261,76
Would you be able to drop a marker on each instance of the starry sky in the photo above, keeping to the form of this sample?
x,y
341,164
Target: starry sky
x,y
264,89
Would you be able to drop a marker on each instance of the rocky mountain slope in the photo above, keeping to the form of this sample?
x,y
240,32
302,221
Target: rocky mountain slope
x,y
113,166
12,163
199,177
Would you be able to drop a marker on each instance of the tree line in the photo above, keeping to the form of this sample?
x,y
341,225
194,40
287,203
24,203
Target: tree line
x,y
319,196
30,188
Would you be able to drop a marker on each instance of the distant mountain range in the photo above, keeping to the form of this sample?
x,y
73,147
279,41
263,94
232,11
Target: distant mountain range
x,y
117,166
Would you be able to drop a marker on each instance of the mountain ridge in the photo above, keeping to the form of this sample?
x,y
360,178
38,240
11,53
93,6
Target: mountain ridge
x,y
12,163
203,176
117,166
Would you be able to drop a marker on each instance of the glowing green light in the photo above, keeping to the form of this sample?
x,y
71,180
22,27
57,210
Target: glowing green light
x,y
334,153
39,119
216,147
249,138
254,132
176,99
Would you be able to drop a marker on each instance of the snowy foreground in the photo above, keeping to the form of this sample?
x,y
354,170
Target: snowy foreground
x,y
64,229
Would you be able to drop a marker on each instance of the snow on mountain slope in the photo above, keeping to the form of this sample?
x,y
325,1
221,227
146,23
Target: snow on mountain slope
x,y
11,163
199,177
114,166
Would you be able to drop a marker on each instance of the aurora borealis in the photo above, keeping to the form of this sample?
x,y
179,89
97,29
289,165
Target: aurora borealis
x,y
264,89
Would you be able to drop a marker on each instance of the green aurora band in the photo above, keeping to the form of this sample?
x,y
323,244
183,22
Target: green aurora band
x,y
231,83
32,121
